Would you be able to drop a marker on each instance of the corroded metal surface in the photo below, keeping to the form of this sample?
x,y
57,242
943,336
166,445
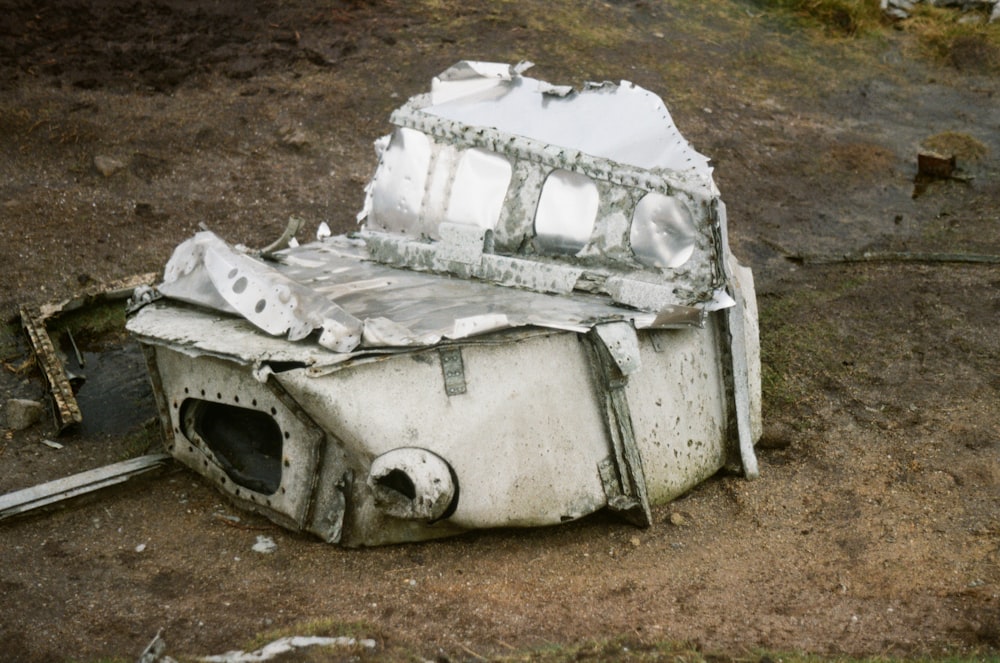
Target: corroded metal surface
x,y
539,318
66,409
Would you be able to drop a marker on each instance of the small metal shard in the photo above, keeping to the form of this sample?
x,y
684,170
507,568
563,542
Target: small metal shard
x,y
155,651
76,350
288,645
284,241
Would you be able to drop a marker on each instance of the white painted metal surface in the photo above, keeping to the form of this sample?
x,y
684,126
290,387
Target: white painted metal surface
x,y
539,318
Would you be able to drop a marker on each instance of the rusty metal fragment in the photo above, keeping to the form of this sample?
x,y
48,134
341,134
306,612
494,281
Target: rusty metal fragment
x,y
34,320
932,165
66,410
539,317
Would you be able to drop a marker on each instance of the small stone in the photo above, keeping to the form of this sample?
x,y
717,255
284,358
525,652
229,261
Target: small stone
x,y
141,547
294,137
777,435
21,413
635,542
677,519
107,166
265,545
244,67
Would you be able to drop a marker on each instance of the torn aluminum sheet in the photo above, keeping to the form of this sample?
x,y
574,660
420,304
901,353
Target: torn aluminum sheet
x,y
540,317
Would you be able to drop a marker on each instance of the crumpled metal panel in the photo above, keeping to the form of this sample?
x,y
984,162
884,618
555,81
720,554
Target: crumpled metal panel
x,y
206,271
539,318
386,307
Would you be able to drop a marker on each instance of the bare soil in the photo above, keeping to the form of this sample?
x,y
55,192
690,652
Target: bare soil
x,y
875,526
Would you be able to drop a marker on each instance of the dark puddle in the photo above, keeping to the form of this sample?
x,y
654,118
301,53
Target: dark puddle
x,y
112,389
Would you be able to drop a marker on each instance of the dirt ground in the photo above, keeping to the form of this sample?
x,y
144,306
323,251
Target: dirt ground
x,y
875,526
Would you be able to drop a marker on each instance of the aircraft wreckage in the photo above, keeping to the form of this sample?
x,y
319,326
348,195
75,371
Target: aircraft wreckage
x,y
538,318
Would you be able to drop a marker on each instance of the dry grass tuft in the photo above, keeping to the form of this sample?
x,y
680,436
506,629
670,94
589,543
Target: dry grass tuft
x,y
839,17
972,47
962,145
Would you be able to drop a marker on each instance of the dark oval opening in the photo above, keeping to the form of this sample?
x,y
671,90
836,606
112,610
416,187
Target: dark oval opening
x,y
247,443
399,481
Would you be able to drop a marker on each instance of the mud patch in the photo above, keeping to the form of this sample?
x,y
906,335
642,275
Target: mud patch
x,y
156,46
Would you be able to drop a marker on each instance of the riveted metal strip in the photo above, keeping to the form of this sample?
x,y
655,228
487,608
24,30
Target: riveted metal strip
x,y
453,370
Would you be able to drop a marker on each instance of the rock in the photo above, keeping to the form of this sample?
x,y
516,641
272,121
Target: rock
x,y
971,19
244,67
901,9
777,435
107,166
21,413
897,9
294,137
677,519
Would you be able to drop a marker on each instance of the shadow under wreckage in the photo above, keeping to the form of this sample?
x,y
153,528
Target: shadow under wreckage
x,y
539,317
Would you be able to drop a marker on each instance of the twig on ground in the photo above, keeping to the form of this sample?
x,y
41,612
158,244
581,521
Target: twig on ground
x,y
893,256
472,653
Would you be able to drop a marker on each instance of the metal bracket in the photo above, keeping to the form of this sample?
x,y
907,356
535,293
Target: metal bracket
x,y
625,488
741,388
463,243
622,343
453,370
735,338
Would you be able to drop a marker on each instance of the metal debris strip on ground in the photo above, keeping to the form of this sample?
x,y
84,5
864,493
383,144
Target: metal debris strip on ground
x,y
46,494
